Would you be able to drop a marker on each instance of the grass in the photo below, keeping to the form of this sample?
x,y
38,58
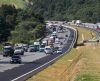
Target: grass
x,y
85,77
55,71
17,3
87,34
65,69
91,71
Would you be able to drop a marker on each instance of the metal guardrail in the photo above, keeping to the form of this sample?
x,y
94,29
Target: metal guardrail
x,y
31,73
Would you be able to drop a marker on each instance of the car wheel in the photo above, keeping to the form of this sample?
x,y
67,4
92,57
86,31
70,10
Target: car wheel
x,y
19,62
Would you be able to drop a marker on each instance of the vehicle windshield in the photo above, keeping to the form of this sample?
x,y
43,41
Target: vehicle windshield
x,y
59,49
25,46
48,49
18,48
7,49
42,46
16,56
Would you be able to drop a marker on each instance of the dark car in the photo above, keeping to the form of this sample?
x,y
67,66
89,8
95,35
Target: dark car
x,y
54,28
32,48
8,51
16,59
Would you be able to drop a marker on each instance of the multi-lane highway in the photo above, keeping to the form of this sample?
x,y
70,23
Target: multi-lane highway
x,y
92,27
34,62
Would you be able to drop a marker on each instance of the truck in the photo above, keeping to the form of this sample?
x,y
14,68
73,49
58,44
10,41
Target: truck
x,y
8,50
36,45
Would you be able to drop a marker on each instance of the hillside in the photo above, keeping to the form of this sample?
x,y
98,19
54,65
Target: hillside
x,y
20,25
17,3
86,10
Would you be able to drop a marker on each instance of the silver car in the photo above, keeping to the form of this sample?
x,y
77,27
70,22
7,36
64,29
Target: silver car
x,y
48,50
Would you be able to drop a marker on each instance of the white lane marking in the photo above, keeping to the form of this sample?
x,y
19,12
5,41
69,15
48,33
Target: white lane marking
x,y
45,63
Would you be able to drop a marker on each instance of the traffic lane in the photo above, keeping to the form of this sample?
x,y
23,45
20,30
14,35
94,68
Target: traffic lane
x,y
90,25
15,72
93,27
69,41
32,56
18,71
28,57
27,67
62,38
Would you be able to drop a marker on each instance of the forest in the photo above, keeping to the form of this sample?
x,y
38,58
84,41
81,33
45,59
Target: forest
x,y
85,10
19,25
27,22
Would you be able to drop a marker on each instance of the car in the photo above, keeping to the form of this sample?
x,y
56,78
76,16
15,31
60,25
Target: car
x,y
60,27
54,34
41,48
70,38
45,42
66,35
54,29
16,59
25,46
57,40
59,51
48,50
8,51
60,31
52,38
19,50
32,48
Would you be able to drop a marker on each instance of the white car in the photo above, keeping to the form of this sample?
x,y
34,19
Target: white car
x,y
19,50
57,40
54,34
59,51
48,50
45,42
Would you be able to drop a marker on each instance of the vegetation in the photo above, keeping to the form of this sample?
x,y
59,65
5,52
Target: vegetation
x,y
90,69
86,10
86,35
66,68
17,25
17,3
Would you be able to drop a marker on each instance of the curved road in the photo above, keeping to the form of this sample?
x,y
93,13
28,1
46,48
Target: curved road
x,y
20,73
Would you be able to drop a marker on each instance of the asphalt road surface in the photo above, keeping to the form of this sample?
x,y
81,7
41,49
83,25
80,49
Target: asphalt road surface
x,y
32,61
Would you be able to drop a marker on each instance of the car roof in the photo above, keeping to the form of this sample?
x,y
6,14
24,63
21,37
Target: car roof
x,y
7,46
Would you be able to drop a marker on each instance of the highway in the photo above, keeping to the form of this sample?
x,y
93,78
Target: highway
x,y
34,62
92,27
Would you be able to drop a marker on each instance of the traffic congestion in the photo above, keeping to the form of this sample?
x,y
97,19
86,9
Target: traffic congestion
x,y
52,44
